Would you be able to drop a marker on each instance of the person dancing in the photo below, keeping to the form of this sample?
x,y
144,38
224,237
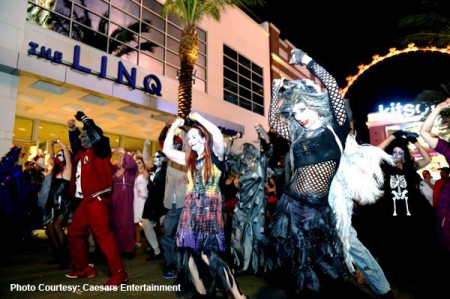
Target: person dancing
x,y
303,227
200,234
58,205
92,181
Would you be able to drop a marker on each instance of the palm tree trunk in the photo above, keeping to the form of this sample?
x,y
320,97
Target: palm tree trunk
x,y
188,52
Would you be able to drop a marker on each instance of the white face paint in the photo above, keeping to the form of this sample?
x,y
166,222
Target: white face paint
x,y
398,154
195,141
305,116
60,156
157,160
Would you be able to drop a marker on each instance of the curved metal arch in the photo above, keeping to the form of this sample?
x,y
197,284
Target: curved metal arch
x,y
392,52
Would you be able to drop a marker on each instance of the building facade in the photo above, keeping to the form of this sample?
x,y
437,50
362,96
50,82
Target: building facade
x,y
58,57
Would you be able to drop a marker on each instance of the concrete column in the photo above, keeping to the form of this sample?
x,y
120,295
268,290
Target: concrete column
x,y
8,101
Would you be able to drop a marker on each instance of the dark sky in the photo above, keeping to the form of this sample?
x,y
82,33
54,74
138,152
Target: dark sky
x,y
340,35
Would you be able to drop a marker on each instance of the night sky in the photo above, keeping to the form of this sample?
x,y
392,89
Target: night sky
x,y
343,34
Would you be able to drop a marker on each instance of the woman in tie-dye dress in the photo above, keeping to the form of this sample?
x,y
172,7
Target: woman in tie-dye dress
x,y
200,234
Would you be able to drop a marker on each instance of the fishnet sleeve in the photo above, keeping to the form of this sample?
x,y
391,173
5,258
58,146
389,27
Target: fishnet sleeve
x,y
336,100
276,122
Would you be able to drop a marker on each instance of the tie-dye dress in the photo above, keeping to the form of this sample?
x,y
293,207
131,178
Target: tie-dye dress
x,y
201,225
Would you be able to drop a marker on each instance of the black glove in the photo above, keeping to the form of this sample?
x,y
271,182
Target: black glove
x,y
296,56
399,134
80,116
412,137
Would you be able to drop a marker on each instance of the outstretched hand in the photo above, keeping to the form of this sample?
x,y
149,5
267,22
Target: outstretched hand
x,y
412,137
297,56
80,116
399,134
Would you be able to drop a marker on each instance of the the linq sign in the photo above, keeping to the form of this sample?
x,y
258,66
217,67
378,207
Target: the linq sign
x,y
151,83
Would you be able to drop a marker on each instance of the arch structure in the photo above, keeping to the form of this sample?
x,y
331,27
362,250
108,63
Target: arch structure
x,y
392,52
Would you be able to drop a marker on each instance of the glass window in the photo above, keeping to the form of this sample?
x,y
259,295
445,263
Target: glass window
x,y
257,69
229,63
244,103
230,85
158,52
244,92
173,58
243,71
258,99
258,109
99,7
124,19
117,26
230,52
200,72
23,129
171,72
131,144
201,35
245,82
174,20
244,61
231,97
114,140
201,60
153,5
151,64
90,37
174,31
154,35
128,6
153,19
200,85
229,74
242,80
173,44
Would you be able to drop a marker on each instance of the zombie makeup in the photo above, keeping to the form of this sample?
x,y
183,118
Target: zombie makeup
x,y
398,154
85,140
195,141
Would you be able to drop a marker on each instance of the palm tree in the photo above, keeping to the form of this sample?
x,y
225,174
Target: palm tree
x,y
190,13
431,27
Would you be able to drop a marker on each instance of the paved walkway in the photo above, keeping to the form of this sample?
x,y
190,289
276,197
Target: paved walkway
x,y
24,274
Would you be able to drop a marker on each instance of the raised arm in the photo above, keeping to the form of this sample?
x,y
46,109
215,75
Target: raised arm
x,y
67,173
168,149
276,122
218,144
336,100
425,130
426,158
146,155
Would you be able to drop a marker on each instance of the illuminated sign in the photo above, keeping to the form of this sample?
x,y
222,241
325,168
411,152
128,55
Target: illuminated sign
x,y
151,83
406,110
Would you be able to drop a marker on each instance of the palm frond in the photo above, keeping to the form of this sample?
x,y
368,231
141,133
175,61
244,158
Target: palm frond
x,y
148,46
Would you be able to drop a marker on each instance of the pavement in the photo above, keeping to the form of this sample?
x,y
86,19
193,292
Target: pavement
x,y
24,273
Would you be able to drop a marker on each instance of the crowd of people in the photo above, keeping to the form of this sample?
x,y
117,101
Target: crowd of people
x,y
209,212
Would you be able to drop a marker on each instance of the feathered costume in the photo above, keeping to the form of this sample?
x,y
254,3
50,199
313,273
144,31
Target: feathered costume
x,y
359,179
302,229
248,240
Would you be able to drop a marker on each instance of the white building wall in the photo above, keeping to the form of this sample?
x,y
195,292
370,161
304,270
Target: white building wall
x,y
16,33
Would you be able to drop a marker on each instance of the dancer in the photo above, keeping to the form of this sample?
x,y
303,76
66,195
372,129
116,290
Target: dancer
x,y
443,202
303,228
248,239
58,205
154,210
200,235
122,203
92,181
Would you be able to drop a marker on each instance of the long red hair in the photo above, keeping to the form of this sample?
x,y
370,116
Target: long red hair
x,y
191,156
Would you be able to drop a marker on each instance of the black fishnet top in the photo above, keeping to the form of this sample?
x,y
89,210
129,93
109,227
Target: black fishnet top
x,y
316,154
